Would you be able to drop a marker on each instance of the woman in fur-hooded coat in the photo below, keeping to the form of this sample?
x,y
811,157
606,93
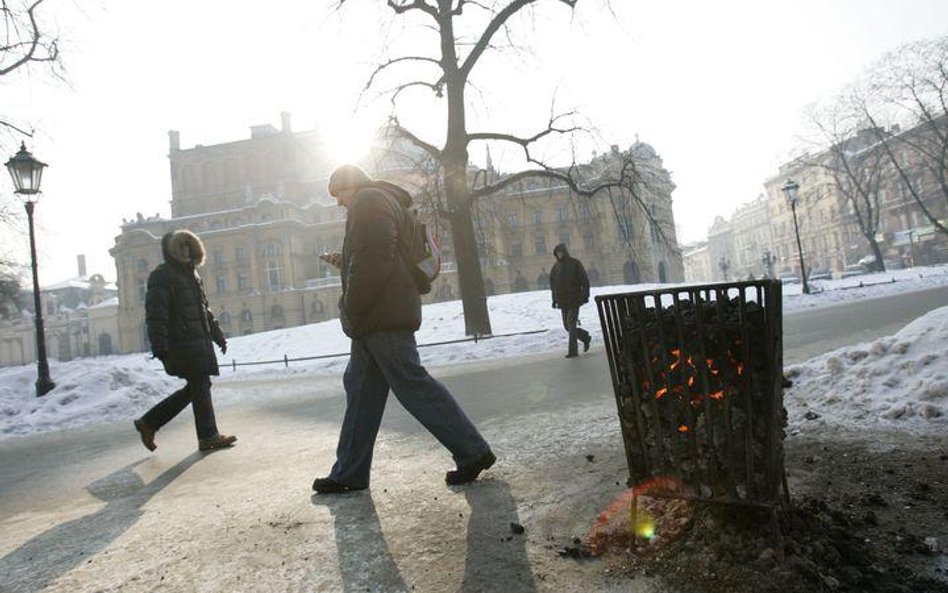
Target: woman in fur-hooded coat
x,y
181,327
182,331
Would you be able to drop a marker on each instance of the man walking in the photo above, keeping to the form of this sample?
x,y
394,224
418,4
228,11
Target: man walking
x,y
181,329
380,310
570,286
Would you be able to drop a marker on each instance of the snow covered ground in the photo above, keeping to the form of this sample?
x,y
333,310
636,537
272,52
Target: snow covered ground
x,y
899,379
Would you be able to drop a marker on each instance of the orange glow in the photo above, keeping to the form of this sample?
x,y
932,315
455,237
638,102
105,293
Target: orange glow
x,y
661,392
682,428
677,354
717,395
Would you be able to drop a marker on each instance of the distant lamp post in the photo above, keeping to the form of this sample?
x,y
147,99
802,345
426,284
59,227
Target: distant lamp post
x,y
790,189
768,259
27,172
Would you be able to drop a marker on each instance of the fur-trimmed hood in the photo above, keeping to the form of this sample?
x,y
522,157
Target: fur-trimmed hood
x,y
183,247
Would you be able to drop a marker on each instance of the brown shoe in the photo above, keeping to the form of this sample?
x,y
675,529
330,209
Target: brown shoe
x,y
146,433
216,442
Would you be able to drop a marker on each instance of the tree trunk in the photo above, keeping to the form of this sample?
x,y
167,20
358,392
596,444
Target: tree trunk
x,y
470,278
877,253
454,162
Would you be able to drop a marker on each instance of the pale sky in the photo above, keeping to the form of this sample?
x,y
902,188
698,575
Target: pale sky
x,y
717,88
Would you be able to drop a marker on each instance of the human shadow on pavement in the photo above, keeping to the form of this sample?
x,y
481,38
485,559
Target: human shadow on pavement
x,y
365,562
56,551
496,558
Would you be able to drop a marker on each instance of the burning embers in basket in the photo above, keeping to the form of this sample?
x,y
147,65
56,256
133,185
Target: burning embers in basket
x,y
697,374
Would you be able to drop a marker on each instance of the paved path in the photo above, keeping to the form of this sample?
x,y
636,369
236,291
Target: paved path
x,y
91,510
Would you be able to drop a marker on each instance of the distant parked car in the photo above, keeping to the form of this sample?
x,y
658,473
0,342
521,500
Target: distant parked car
x,y
853,270
820,275
869,262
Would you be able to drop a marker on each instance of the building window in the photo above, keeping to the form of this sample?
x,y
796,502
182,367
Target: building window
x,y
564,239
316,308
540,244
230,171
218,257
274,280
512,220
105,344
537,217
516,250
584,211
142,289
246,316
561,213
243,282
589,241
210,175
272,249
625,229
221,283
224,319
239,254
276,312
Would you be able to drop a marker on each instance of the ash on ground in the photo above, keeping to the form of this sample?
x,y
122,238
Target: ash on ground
x,y
864,517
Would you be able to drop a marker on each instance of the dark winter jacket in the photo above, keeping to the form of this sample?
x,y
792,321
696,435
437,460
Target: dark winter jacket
x,y
181,327
378,293
568,280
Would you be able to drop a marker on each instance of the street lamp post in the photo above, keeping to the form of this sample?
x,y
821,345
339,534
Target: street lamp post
x,y
790,189
27,172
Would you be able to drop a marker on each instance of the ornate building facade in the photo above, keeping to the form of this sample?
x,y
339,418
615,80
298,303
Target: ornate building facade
x,y
830,230
261,207
80,319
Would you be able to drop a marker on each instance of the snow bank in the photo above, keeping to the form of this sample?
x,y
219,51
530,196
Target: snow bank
x,y
900,380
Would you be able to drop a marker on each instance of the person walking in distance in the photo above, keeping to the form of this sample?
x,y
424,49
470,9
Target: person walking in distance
x,y
380,310
570,286
181,329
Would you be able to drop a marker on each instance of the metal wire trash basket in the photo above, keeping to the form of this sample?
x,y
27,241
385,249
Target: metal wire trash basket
x,y
698,378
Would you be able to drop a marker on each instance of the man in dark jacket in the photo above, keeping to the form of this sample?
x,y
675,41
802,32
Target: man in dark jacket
x,y
181,329
380,311
570,286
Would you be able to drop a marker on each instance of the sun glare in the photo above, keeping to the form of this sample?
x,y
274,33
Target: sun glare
x,y
347,141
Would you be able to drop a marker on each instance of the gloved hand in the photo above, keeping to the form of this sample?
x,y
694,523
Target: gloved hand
x,y
554,305
223,346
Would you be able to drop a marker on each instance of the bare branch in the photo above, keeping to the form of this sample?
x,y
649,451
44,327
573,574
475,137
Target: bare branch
x,y
403,7
29,45
499,20
15,128
381,67
396,129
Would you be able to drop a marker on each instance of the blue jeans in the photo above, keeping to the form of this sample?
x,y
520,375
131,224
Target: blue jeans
x,y
389,360
197,393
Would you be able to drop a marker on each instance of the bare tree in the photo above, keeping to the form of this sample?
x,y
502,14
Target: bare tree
x,y
9,292
449,67
854,162
909,88
25,44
